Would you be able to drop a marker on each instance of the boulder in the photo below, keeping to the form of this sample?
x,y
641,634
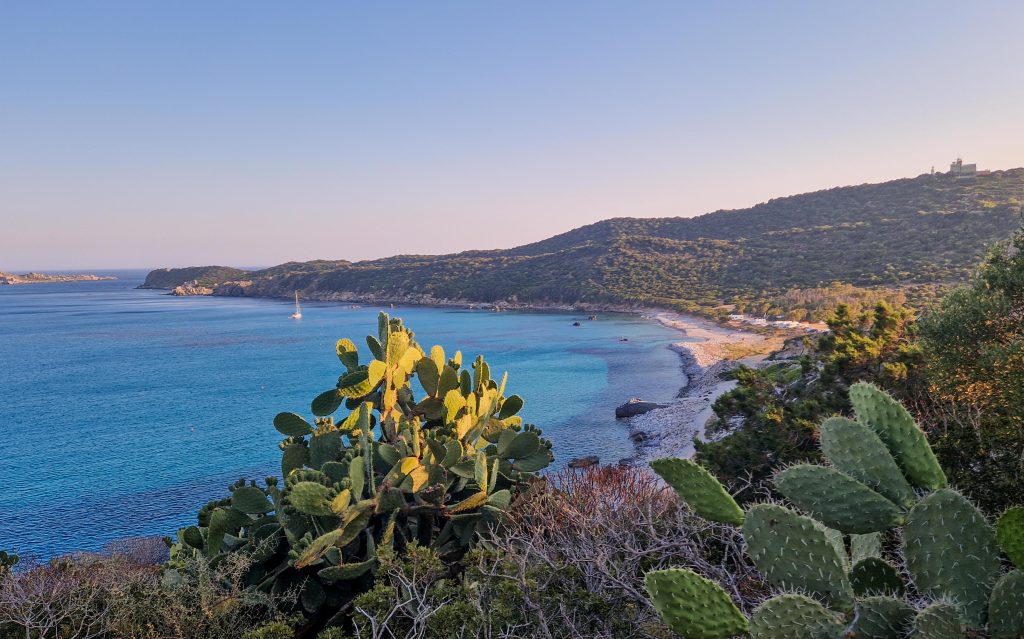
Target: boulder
x,y
585,462
636,407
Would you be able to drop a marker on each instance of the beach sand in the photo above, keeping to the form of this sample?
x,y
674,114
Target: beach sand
x,y
709,350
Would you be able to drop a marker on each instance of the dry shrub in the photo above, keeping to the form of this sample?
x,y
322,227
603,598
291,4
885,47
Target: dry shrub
x,y
91,595
68,597
196,601
577,546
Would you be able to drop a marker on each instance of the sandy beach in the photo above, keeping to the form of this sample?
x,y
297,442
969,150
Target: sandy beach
x,y
708,350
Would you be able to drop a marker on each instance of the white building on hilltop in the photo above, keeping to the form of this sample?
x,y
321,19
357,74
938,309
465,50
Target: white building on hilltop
x,y
961,170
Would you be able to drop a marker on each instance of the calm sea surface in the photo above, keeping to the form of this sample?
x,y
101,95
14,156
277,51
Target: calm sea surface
x,y
123,411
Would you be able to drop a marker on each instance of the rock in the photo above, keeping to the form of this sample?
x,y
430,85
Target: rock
x,y
585,462
636,407
638,436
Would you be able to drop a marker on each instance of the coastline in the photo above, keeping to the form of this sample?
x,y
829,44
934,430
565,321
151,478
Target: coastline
x,y
710,350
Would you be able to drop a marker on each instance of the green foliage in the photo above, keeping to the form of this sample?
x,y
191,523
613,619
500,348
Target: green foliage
x,y
917,231
396,470
777,415
947,545
272,630
974,347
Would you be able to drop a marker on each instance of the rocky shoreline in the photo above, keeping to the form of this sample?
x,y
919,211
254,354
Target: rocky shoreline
x,y
669,431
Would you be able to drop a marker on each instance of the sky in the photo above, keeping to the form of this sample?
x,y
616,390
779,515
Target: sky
x,y
152,134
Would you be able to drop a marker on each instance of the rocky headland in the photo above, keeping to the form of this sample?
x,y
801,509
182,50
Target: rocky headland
x,y
10,279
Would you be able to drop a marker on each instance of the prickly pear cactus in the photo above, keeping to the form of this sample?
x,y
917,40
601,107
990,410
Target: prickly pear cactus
x,y
694,606
896,428
383,462
949,549
700,490
793,616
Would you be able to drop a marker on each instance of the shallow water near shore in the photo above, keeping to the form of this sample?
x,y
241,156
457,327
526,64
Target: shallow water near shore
x,y
126,410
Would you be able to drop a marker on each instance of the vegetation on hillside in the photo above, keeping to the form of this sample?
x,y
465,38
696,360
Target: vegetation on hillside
x,y
905,233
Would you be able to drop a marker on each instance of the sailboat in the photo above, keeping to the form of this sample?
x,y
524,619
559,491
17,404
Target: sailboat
x,y
298,309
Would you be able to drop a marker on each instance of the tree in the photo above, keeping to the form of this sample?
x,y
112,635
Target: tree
x,y
973,345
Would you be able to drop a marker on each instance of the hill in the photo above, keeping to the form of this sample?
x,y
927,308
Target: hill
x,y
924,231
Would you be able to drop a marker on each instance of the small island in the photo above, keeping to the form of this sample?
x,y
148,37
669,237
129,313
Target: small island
x,y
43,278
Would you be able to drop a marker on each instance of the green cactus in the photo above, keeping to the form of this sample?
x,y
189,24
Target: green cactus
x,y
792,616
694,606
948,547
1010,534
395,469
1006,607
864,546
897,429
700,490
940,620
774,533
856,450
881,618
837,500
875,576
951,552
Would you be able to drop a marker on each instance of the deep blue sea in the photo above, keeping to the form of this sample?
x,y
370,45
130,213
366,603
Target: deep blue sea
x,y
122,411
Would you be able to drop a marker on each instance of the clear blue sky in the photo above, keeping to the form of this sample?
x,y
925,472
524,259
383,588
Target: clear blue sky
x,y
144,134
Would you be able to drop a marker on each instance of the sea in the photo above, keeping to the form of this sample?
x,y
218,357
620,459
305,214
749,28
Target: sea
x,y
123,410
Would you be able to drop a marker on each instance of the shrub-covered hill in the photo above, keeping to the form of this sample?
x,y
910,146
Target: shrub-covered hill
x,y
924,230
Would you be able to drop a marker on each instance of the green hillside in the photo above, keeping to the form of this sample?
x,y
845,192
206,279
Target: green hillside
x,y
920,231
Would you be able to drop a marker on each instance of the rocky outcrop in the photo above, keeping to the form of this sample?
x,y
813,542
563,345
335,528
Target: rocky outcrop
x,y
191,289
636,407
585,462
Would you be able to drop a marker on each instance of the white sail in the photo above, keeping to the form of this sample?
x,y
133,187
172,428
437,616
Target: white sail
x,y
298,309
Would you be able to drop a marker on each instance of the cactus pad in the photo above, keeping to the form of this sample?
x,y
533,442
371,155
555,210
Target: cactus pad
x,y
698,488
1006,607
1010,534
898,431
795,552
310,498
875,576
794,617
856,450
837,500
292,425
951,551
940,620
250,500
864,546
881,618
693,606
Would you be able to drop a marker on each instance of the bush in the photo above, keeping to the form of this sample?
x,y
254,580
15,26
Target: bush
x,y
569,562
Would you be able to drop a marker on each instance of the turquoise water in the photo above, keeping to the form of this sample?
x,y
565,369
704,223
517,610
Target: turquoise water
x,y
124,410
